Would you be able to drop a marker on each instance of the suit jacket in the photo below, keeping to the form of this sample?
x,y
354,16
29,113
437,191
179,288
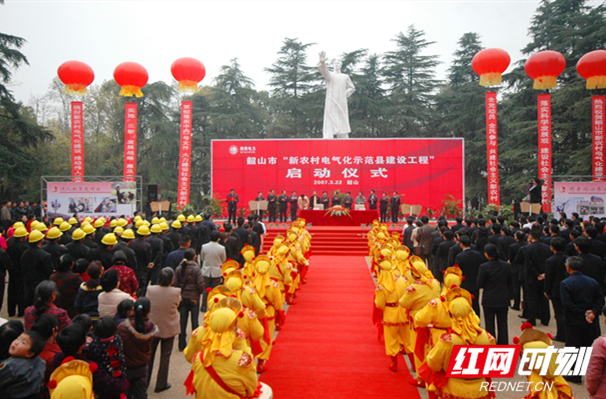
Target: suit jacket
x,y
535,255
424,236
243,236
469,262
213,255
597,248
143,253
565,234
406,237
503,244
157,250
452,254
164,311
131,258
494,277
555,272
442,254
593,267
580,293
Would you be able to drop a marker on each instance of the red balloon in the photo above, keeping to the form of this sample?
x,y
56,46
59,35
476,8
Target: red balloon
x,y
592,66
544,67
76,76
188,72
490,63
131,77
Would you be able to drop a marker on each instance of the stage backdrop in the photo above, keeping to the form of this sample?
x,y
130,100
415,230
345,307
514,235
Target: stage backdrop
x,y
424,170
92,199
584,198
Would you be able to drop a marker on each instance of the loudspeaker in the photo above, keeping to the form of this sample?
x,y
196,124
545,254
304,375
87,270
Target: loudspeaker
x,y
152,192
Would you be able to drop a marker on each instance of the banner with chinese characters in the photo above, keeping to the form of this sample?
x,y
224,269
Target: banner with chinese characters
x,y
185,157
422,171
544,115
598,137
92,199
130,142
492,149
584,198
77,142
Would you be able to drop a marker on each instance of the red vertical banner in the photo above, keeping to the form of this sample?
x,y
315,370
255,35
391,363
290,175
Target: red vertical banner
x,y
597,111
130,142
544,116
77,142
492,149
185,154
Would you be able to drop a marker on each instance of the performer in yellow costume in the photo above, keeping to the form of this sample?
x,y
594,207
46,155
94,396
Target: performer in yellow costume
x,y
465,330
298,262
532,338
422,289
402,263
248,253
220,371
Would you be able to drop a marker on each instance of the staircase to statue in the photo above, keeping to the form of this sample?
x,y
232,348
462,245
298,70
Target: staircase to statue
x,y
329,241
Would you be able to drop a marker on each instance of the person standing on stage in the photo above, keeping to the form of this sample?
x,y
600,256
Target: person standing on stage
x,y
336,199
259,198
372,200
232,206
293,206
395,207
271,205
314,200
325,200
303,202
283,202
348,200
360,199
383,207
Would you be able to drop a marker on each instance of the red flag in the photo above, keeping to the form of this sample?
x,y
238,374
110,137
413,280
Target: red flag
x,y
598,137
544,116
77,142
130,142
492,141
185,157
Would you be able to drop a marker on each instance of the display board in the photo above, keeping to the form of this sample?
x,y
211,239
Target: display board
x,y
584,198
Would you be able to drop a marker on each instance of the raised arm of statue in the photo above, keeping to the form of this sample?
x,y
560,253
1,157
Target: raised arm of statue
x,y
322,66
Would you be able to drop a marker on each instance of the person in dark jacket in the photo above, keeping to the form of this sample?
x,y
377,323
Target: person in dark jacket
x,y
188,277
52,246
16,286
535,254
175,257
294,206
394,203
593,266
242,234
469,262
407,233
494,277
555,273
517,267
5,265
68,283
104,253
36,264
442,252
88,293
504,242
76,248
157,252
123,245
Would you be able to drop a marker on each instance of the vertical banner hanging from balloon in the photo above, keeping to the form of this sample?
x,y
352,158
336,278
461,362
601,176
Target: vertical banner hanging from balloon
x,y
598,137
130,142
185,154
544,117
77,142
492,149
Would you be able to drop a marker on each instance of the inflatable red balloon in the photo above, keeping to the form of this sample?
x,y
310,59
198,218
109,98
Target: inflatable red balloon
x,y
490,65
592,66
76,76
188,72
131,77
544,67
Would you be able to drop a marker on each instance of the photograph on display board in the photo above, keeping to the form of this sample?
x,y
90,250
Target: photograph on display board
x,y
81,205
125,192
107,205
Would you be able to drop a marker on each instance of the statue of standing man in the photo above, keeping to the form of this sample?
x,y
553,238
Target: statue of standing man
x,y
338,88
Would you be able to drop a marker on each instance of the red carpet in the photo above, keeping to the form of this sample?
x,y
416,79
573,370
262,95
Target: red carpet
x,y
328,347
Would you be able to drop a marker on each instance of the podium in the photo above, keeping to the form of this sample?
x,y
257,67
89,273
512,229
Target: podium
x,y
161,206
258,207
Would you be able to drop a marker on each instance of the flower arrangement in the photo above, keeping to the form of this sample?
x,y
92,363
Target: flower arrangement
x,y
337,211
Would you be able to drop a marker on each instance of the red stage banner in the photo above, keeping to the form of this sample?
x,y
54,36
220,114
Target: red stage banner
x,y
130,142
492,149
422,171
544,114
185,157
77,142
598,137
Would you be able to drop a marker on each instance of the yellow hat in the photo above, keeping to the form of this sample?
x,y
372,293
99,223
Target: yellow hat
x,y
88,229
118,230
128,234
17,225
54,233
40,227
162,219
137,218
176,224
113,223
143,231
181,218
122,222
191,219
109,239
139,223
155,221
58,221
35,236
84,224
88,219
78,234
146,223
99,222
72,221
65,226
20,232
164,226
198,218
156,228
72,380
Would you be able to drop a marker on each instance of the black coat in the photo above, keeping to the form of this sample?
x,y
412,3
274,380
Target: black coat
x,y
593,267
495,278
157,250
555,272
143,253
5,263
243,237
406,237
15,250
77,250
516,258
102,255
131,258
503,244
56,251
469,262
535,255
37,267
442,254
597,248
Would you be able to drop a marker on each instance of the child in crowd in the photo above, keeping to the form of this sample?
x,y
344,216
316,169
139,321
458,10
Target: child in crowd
x,y
88,293
125,309
22,374
87,324
8,333
138,335
46,325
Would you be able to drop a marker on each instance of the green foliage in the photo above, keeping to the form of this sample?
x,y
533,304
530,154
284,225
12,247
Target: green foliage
x,y
495,210
451,207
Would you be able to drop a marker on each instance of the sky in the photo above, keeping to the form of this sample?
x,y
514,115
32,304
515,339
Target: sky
x,y
104,34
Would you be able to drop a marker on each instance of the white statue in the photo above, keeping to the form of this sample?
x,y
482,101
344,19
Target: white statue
x,y
338,88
